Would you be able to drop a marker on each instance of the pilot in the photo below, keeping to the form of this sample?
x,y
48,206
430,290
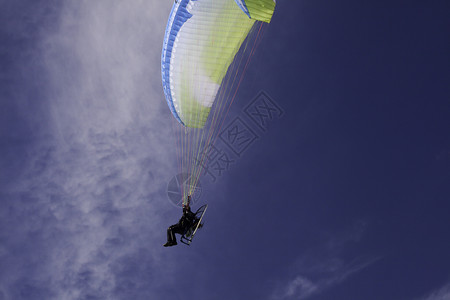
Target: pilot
x,y
186,221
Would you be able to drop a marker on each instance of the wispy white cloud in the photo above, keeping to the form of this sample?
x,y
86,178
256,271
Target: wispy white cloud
x,y
442,293
323,267
299,287
89,203
329,274
103,63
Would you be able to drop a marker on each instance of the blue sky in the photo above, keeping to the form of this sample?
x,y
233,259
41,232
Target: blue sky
x,y
344,196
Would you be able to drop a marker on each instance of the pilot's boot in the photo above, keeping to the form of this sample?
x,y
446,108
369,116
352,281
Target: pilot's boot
x,y
171,239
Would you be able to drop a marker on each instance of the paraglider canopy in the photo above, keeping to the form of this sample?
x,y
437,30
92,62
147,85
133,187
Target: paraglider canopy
x,y
202,38
206,50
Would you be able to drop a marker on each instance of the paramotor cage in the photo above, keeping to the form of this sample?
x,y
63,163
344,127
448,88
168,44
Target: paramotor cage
x,y
188,236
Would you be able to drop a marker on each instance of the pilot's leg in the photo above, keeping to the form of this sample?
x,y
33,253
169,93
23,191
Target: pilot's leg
x,y
171,239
